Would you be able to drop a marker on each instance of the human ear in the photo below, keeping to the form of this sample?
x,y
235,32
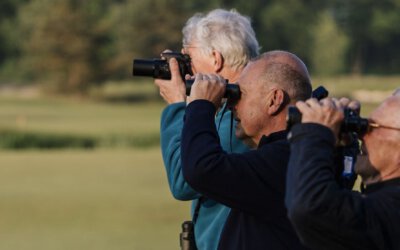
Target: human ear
x,y
276,102
218,62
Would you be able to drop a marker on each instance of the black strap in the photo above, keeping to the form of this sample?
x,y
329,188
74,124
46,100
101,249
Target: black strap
x,y
230,132
196,210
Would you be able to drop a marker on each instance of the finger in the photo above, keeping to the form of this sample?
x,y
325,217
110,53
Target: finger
x,y
303,106
204,77
338,104
174,68
312,102
165,51
198,77
215,78
221,79
344,101
211,78
328,102
355,105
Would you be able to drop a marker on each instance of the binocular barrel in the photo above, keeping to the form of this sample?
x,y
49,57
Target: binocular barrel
x,y
232,91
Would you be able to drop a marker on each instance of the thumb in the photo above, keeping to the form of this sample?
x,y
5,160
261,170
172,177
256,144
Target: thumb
x,y
174,68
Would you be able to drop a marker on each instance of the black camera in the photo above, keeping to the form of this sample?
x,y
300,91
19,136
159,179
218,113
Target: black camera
x,y
232,92
186,238
352,122
159,68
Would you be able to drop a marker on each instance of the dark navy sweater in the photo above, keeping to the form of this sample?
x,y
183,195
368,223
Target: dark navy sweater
x,y
252,183
327,216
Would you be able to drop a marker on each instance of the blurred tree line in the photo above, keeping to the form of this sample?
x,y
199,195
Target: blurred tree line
x,y
69,45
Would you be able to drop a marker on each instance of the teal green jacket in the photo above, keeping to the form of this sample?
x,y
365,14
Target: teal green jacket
x,y
212,215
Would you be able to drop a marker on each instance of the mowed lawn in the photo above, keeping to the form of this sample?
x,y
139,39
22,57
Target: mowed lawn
x,y
96,199
80,117
112,197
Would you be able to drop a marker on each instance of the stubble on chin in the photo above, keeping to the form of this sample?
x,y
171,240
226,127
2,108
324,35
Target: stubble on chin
x,y
365,169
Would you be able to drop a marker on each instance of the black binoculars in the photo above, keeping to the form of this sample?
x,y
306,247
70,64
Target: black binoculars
x,y
352,122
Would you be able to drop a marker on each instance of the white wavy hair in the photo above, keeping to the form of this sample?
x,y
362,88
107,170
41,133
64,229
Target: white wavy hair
x,y
228,32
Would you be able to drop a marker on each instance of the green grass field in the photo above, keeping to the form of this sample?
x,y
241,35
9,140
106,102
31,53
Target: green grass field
x,y
114,196
98,199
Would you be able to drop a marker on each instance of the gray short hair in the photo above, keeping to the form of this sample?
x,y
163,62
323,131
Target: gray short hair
x,y
228,32
296,85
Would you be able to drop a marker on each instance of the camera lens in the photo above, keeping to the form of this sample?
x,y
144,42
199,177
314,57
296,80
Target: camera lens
x,y
143,67
155,68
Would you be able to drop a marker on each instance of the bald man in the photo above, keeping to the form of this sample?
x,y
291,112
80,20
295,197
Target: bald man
x,y
327,216
252,183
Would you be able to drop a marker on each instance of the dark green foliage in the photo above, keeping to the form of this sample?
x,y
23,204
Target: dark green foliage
x,y
69,45
373,32
17,140
10,139
8,44
143,141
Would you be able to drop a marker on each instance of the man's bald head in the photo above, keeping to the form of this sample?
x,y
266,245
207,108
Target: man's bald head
x,y
287,71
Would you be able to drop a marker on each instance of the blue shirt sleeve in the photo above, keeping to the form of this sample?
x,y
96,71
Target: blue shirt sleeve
x,y
171,128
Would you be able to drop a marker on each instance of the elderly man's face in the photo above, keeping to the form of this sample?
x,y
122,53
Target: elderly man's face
x,y
250,109
381,145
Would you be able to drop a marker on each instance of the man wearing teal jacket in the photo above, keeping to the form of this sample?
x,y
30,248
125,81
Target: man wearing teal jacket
x,y
220,42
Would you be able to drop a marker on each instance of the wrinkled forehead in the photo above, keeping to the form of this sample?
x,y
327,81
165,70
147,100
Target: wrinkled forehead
x,y
388,112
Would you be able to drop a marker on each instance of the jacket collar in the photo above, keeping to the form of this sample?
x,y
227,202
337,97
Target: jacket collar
x,y
382,184
276,136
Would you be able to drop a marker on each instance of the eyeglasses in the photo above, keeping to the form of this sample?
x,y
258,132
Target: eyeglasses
x,y
373,125
185,48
